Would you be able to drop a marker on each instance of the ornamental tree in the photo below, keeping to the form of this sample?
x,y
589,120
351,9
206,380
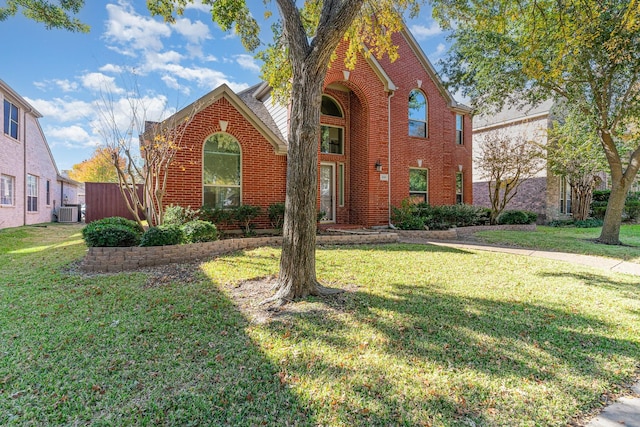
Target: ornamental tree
x,y
58,14
584,52
306,38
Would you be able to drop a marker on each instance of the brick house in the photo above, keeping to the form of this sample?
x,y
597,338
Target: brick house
x,y
31,189
390,131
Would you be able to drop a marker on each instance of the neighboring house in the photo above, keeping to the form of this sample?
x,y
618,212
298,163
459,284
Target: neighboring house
x,y
31,190
390,131
547,195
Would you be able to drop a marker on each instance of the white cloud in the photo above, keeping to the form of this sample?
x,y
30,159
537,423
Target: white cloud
x,y
70,136
197,5
100,83
195,32
247,62
66,85
421,32
111,68
63,110
440,49
132,31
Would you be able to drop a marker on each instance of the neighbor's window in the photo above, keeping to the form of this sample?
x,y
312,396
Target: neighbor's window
x,y
7,190
48,192
330,107
418,114
331,141
565,197
221,172
419,185
32,193
459,188
10,119
459,129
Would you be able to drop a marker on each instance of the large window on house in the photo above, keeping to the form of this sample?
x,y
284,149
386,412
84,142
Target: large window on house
x,y
419,185
7,190
459,129
330,107
221,172
418,114
331,140
10,119
459,188
32,193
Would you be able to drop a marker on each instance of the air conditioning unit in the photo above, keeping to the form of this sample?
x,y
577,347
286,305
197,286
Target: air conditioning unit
x,y
68,214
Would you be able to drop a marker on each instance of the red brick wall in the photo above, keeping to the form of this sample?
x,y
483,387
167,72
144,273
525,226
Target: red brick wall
x,y
263,172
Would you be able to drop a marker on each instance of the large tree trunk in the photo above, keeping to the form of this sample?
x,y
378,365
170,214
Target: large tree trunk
x,y
620,183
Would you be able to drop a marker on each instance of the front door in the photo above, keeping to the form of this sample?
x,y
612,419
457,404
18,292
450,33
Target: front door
x,y
328,192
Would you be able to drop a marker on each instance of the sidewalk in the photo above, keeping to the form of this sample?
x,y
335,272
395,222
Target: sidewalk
x,y
625,412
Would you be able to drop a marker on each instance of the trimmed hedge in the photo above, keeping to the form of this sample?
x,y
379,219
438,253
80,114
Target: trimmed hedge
x,y
517,217
112,232
422,216
162,235
199,231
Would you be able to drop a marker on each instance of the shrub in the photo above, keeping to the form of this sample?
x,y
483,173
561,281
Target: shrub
x,y
601,196
110,235
437,217
632,209
561,223
515,217
276,215
112,232
244,215
199,231
162,235
588,223
215,216
177,215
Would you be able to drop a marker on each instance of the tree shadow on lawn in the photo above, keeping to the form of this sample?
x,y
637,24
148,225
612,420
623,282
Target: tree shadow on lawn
x,y
125,354
473,354
628,289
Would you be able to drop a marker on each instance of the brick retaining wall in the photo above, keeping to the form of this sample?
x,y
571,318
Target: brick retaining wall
x,y
131,258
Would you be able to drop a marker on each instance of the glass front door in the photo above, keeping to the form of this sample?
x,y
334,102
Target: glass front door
x,y
328,192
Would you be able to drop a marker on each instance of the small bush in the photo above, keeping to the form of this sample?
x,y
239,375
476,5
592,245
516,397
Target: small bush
x,y
561,223
437,217
515,217
215,216
110,236
244,215
199,231
276,215
162,235
601,196
588,223
177,215
632,209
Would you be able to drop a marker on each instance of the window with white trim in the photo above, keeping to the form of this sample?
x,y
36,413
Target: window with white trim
x,y
565,196
418,114
32,193
10,119
419,185
459,188
331,140
7,190
221,171
459,129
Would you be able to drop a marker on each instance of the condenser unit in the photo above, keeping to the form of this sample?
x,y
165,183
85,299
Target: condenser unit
x,y
68,214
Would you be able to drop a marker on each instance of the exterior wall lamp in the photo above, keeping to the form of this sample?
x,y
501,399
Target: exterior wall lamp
x,y
378,166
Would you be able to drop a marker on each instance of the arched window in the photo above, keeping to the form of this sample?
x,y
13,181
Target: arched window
x,y
418,114
221,171
330,107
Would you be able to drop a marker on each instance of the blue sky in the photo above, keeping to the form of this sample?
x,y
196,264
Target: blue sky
x,y
62,74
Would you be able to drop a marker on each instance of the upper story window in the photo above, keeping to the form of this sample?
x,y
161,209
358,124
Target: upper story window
x,y
221,171
331,140
10,119
459,188
418,114
459,129
330,107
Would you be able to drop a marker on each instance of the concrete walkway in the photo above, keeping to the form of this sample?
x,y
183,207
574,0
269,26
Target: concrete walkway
x,y
625,412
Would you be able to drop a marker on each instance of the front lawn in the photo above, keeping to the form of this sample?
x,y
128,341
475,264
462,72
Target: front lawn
x,y
424,335
572,240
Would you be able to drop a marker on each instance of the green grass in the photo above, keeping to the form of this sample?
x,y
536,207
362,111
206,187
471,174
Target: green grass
x,y
426,336
572,240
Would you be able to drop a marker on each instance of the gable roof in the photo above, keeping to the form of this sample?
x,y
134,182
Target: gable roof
x,y
512,114
270,133
20,100
428,66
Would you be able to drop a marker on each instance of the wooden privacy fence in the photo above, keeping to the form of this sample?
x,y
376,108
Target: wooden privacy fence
x,y
104,199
